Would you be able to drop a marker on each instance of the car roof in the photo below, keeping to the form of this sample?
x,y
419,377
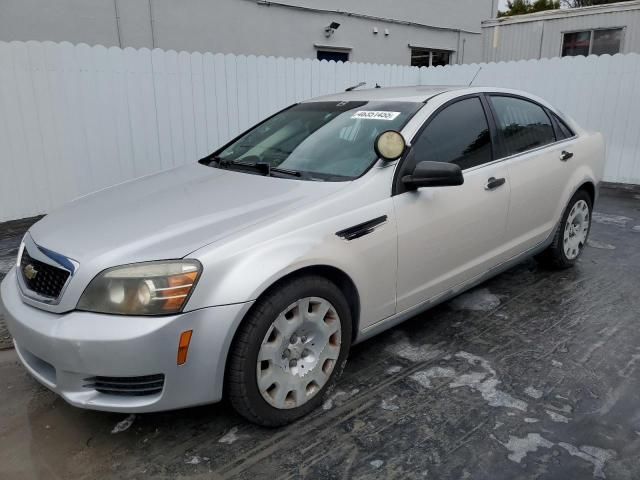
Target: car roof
x,y
422,93
418,93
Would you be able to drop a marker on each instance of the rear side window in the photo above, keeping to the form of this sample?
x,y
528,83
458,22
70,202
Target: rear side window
x,y
458,134
522,125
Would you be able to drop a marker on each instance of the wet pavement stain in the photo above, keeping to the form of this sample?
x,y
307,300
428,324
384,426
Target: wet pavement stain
x,y
478,392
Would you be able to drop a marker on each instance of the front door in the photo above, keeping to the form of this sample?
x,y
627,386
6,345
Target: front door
x,y
449,235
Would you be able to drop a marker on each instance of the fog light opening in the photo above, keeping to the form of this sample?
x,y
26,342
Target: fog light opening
x,y
183,346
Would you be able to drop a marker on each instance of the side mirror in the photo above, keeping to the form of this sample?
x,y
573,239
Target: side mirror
x,y
434,174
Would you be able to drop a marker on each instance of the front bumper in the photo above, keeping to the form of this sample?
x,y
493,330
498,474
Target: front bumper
x,y
63,350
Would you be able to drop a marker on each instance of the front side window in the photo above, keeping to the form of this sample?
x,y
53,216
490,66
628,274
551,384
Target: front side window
x,y
458,134
522,125
592,42
331,141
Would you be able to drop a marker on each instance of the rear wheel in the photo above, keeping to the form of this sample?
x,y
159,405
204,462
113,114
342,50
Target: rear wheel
x,y
289,352
571,236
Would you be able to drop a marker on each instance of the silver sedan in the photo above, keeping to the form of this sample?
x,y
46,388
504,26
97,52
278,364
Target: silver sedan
x,y
252,272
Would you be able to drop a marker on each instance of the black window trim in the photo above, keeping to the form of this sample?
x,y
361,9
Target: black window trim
x,y
399,188
557,121
397,185
550,113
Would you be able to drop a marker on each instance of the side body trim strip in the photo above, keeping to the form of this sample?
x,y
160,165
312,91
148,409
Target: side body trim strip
x,y
361,229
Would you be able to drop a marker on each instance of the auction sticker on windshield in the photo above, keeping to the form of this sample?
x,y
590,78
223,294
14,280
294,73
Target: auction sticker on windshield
x,y
376,115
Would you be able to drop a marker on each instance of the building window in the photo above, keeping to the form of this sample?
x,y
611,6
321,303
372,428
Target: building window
x,y
335,56
606,41
427,57
592,42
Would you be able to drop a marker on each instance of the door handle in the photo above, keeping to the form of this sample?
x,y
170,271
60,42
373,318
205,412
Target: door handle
x,y
564,156
494,183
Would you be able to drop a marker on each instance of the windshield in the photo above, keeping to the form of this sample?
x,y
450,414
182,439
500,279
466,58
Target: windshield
x,y
329,141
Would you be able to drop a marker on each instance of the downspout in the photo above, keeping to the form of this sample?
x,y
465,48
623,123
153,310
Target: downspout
x,y
117,13
464,41
541,40
152,24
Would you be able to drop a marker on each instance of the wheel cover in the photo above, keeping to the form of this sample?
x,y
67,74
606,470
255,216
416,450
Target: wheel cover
x,y
298,353
576,229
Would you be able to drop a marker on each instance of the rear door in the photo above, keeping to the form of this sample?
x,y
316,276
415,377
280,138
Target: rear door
x,y
448,235
531,140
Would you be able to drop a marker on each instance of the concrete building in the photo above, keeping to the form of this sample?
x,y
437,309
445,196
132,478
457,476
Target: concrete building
x,y
611,28
405,32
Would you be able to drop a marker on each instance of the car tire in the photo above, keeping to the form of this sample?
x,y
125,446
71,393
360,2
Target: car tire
x,y
571,235
265,350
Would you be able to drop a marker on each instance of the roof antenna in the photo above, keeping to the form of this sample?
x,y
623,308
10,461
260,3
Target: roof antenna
x,y
474,77
353,87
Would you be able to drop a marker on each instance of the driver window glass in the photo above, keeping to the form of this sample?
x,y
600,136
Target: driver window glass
x,y
458,134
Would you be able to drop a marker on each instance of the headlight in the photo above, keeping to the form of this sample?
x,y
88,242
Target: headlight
x,y
153,288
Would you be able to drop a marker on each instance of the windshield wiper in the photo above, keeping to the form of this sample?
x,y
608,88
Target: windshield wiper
x,y
262,167
286,171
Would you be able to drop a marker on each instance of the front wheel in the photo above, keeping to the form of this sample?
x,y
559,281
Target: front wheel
x,y
571,236
289,351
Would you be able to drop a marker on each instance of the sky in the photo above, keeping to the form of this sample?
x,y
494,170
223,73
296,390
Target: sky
x,y
502,5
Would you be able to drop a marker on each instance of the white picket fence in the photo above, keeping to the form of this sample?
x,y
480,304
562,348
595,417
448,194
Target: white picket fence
x,y
75,119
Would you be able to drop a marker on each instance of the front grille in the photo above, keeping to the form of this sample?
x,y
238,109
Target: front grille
x,y
46,280
127,386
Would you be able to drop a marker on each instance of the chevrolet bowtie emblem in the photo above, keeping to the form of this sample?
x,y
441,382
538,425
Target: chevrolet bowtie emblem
x,y
30,272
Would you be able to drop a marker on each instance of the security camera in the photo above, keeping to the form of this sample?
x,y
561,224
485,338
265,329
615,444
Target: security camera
x,y
328,31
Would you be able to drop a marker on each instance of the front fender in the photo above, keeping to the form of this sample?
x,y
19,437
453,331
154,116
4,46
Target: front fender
x,y
248,274
236,273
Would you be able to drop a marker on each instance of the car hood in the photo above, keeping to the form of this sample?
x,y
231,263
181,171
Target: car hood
x,y
170,214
